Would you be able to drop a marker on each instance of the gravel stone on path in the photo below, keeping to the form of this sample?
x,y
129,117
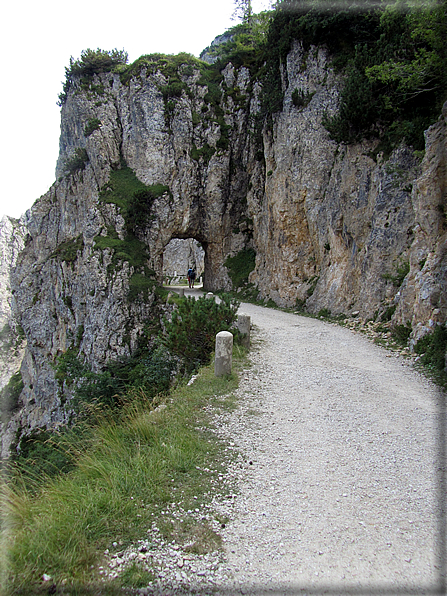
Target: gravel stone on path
x,y
345,451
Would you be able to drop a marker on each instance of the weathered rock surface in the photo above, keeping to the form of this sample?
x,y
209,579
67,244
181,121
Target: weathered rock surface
x,y
180,255
333,226
12,241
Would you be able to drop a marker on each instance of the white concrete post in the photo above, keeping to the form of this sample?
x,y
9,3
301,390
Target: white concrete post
x,y
224,353
243,324
181,292
210,295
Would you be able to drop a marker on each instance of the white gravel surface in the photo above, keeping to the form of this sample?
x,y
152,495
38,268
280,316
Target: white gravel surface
x,y
342,490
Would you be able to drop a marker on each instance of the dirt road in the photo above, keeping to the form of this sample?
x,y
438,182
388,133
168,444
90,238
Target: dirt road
x,y
343,485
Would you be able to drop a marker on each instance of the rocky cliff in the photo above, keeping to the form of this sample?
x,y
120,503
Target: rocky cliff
x,y
146,157
12,240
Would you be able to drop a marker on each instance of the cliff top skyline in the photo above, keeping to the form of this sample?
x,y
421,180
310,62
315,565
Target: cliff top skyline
x,y
39,40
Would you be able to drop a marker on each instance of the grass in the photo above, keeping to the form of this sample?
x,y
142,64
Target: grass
x,y
134,200
143,457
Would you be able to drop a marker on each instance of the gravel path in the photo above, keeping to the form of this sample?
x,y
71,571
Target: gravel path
x,y
341,492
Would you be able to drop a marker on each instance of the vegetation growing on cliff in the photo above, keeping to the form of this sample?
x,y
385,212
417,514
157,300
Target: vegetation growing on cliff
x,y
240,266
68,251
393,59
135,200
9,397
73,494
76,162
92,125
90,63
432,349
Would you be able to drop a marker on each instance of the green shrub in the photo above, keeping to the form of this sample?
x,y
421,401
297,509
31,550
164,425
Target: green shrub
x,y
154,371
191,333
173,90
90,63
240,266
401,333
149,369
301,99
43,454
68,251
138,211
206,152
69,367
140,286
92,125
76,162
393,60
432,348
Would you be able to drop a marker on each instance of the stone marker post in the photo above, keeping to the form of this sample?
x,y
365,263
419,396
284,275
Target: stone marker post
x,y
224,353
181,292
243,324
210,295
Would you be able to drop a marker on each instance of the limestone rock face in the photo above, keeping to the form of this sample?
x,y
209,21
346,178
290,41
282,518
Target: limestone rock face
x,y
12,240
334,227
422,298
180,255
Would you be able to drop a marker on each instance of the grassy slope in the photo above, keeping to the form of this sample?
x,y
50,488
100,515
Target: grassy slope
x,y
147,457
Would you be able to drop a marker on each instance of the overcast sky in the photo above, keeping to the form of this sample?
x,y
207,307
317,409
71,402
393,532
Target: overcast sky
x,y
37,40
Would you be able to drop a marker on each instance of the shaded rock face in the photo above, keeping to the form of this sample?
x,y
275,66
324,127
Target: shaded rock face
x,y
333,226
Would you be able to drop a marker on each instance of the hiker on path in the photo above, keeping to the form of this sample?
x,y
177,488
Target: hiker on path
x,y
193,277
190,271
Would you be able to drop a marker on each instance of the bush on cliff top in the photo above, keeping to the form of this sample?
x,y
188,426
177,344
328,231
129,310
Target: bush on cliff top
x,y
134,200
393,57
90,63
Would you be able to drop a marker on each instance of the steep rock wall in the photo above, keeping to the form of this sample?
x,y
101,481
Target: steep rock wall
x,y
12,240
334,224
335,227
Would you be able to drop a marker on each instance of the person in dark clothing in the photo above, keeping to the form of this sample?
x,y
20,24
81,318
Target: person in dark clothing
x,y
190,272
193,277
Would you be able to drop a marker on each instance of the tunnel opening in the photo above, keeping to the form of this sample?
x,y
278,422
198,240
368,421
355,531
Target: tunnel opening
x,y
180,255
